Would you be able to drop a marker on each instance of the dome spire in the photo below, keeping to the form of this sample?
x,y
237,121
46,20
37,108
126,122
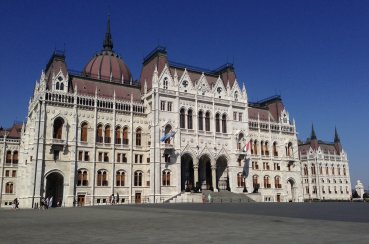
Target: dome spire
x,y
313,135
108,41
336,137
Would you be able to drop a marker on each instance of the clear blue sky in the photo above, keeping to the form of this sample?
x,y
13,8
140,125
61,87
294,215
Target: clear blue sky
x,y
314,53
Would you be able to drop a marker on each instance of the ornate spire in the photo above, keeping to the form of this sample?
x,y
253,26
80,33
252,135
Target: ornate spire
x,y
313,135
108,41
336,137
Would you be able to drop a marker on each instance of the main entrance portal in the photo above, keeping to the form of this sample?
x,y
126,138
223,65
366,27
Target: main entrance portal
x,y
205,174
54,187
187,177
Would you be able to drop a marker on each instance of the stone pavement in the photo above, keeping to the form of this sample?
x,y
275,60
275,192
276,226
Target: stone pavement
x,y
190,223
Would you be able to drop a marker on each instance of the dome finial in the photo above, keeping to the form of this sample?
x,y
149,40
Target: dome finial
x,y
108,41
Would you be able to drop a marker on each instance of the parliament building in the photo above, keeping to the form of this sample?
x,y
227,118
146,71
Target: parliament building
x,y
178,130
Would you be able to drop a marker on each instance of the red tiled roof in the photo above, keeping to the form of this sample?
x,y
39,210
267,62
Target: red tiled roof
x,y
13,132
106,89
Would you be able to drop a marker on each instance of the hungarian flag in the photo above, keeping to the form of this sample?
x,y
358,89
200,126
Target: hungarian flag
x,y
246,147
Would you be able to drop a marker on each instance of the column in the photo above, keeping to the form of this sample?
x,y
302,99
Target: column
x,y
196,174
213,176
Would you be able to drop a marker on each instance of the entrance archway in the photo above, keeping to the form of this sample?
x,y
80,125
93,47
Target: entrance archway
x,y
222,174
291,190
187,177
205,177
54,187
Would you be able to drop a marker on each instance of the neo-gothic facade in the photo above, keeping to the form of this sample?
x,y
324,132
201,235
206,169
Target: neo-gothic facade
x,y
98,132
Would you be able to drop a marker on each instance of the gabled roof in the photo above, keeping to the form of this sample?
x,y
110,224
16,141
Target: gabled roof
x,y
14,132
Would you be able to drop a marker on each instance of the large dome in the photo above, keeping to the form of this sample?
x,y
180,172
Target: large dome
x,y
107,65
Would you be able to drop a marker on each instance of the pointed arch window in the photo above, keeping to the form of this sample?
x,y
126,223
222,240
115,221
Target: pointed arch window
x,y
275,151
125,136
62,86
306,170
167,130
58,128
266,182
120,178
217,123
207,121
166,178
118,135
165,83
240,137
182,118
9,189
201,120
107,134
15,157
189,119
138,178
102,178
8,157
84,128
57,86
255,147
138,137
266,148
277,182
224,123
82,178
99,134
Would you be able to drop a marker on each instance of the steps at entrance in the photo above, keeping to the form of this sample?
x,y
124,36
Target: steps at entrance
x,y
226,197
186,197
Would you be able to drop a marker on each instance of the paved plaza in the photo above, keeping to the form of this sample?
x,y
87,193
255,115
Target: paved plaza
x,y
190,223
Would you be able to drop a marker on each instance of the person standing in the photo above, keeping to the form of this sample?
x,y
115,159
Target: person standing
x,y
51,202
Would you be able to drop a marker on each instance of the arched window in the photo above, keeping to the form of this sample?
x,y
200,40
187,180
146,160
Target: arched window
x,y
138,178
266,148
118,135
252,147
107,134
313,169
326,170
224,123
289,152
240,137
8,157
332,170
255,182
84,127
120,178
189,119
236,95
138,137
165,83
262,147
338,169
207,121
57,86
99,134
102,178
58,128
9,188
266,182
182,118
62,86
167,130
275,151
344,170
166,178
201,121
306,170
256,147
240,180
82,178
15,157
125,136
217,123
277,182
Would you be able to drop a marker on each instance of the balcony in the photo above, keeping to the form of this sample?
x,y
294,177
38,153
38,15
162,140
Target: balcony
x,y
56,141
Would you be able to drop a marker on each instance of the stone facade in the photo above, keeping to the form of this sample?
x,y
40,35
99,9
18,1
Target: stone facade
x,y
90,135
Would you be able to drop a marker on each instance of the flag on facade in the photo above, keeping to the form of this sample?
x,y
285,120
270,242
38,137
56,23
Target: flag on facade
x,y
246,147
167,136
